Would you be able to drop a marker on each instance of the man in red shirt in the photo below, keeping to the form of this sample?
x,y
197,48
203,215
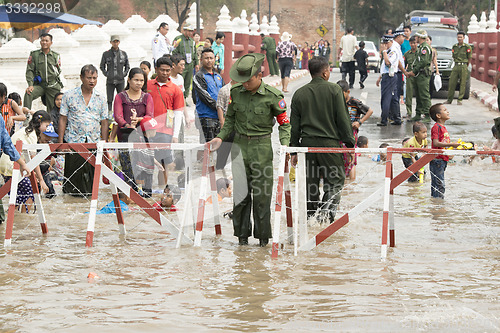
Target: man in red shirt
x,y
168,110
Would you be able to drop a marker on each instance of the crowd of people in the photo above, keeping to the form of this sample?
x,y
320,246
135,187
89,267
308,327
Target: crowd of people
x,y
146,103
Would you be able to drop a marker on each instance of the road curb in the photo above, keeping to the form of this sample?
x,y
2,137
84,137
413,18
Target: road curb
x,y
275,82
487,99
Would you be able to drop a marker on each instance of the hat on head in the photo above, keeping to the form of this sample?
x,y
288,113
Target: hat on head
x,y
188,27
386,38
421,33
398,33
285,37
50,131
148,123
246,67
114,37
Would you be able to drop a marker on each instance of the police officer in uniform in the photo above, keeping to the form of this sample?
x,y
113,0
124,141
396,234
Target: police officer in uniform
x,y
462,53
251,111
160,45
42,74
388,84
422,73
186,48
269,45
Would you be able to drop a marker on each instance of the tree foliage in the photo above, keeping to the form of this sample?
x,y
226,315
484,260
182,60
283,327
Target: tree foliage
x,y
372,17
102,10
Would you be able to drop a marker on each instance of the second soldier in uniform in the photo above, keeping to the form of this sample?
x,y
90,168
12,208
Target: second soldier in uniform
x,y
42,74
252,108
462,53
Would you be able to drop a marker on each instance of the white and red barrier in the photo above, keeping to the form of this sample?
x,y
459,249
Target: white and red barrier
x,y
386,191
103,168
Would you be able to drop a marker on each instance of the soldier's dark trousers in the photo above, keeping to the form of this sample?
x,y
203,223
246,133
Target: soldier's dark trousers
x,y
187,74
422,94
41,90
253,183
330,167
273,65
110,92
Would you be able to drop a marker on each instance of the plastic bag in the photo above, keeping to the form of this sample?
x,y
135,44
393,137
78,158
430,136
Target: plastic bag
x,y
437,82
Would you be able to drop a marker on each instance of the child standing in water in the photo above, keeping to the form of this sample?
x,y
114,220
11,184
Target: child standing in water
x,y
419,140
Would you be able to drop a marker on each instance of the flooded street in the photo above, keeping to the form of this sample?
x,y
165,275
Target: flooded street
x,y
442,276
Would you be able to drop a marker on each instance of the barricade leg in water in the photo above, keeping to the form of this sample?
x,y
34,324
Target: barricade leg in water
x,y
38,203
16,175
203,193
118,209
279,204
301,192
392,231
288,201
95,194
387,192
215,200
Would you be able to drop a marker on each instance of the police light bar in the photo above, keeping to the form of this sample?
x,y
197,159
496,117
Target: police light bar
x,y
442,20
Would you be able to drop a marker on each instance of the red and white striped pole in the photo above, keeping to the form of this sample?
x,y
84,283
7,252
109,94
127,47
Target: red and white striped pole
x,y
215,200
16,175
392,232
118,209
279,204
387,194
288,201
95,193
203,193
38,202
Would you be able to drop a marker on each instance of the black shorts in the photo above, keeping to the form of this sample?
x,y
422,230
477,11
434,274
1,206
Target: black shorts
x,y
286,65
209,129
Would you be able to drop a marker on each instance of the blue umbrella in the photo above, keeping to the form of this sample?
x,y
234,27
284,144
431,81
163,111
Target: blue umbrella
x,y
25,18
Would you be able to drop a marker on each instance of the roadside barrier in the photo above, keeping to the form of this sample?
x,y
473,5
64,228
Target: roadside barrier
x,y
116,183
300,228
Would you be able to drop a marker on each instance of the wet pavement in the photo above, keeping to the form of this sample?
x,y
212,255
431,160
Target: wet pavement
x,y
442,276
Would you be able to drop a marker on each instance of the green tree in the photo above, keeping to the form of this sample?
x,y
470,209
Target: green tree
x,y
102,10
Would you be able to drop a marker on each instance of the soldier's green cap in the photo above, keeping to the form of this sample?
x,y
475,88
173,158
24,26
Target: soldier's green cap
x,y
246,67
421,33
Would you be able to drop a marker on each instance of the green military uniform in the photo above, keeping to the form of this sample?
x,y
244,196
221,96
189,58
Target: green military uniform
x,y
251,116
45,69
269,45
461,56
319,118
187,49
410,81
422,70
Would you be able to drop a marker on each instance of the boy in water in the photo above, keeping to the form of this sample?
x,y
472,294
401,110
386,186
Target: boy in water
x,y
440,139
419,140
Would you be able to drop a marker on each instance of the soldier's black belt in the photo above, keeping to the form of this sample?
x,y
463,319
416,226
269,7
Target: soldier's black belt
x,y
254,137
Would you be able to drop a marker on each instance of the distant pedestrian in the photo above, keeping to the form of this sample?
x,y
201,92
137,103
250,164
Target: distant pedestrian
x,y
362,61
348,46
115,67
218,48
306,52
326,50
286,54
405,47
462,54
269,45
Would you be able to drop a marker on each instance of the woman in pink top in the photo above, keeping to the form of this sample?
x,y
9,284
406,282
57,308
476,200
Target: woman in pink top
x,y
130,106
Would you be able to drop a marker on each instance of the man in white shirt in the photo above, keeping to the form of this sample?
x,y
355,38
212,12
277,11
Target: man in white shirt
x,y
395,106
348,46
387,81
160,43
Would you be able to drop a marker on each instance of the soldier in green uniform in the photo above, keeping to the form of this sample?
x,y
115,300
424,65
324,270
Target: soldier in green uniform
x,y
422,73
269,45
319,118
186,48
462,53
253,105
410,57
43,74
